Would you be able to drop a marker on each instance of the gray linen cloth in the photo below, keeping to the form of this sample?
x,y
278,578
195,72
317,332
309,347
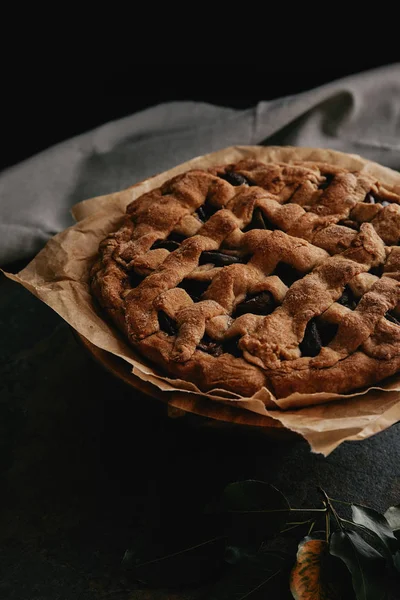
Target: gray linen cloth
x,y
359,114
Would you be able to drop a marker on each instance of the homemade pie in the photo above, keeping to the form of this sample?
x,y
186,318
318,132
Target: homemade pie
x,y
260,274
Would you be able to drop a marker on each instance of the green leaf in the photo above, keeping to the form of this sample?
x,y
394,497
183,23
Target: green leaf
x,y
372,539
364,563
257,511
253,495
377,523
192,565
309,578
392,515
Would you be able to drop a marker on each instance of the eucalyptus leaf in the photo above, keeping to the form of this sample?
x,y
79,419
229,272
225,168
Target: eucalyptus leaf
x,y
392,515
373,540
375,522
257,512
365,564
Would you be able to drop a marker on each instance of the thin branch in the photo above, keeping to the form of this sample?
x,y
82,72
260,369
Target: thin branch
x,y
289,528
340,501
294,524
278,510
113,592
260,586
311,528
331,508
149,562
327,526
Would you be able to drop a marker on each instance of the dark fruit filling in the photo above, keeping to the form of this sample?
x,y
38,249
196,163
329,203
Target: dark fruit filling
x,y
348,299
167,324
219,259
370,199
176,237
236,179
205,211
135,278
328,180
390,317
286,273
312,343
327,331
194,288
167,244
215,348
210,346
259,304
378,270
319,332
232,346
349,223
259,221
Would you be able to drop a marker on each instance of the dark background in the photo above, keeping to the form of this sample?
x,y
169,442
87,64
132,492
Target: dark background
x,y
33,120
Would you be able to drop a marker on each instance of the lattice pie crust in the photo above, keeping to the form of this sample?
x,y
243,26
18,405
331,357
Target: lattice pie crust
x,y
260,274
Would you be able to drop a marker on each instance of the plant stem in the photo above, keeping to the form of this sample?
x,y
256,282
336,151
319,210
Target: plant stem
x,y
329,506
353,523
340,501
149,562
113,592
309,509
327,526
311,528
277,510
261,585
293,524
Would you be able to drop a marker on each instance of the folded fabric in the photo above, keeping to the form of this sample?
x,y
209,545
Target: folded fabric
x,y
358,114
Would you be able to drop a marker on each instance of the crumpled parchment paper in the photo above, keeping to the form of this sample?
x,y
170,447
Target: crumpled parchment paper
x,y
59,274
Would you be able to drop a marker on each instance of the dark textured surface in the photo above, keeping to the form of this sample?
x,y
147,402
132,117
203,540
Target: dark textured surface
x,y
84,469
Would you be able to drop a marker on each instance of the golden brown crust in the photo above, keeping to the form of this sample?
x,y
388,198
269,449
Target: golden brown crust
x,y
355,372
234,234
207,372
